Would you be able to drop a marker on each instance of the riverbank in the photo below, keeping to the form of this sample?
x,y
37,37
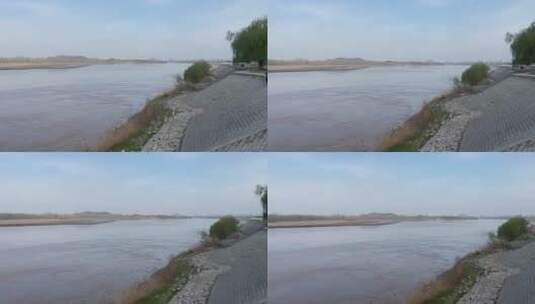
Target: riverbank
x,y
86,218
65,62
211,272
334,65
309,221
225,112
497,273
494,116
329,223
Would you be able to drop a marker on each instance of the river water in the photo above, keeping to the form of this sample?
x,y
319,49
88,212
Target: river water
x,y
88,264
72,109
382,264
350,110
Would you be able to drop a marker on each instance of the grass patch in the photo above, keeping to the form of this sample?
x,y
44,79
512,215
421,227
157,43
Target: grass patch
x,y
451,286
417,130
132,135
162,285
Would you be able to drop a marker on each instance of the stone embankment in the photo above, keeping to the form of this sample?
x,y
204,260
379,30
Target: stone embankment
x,y
498,117
226,113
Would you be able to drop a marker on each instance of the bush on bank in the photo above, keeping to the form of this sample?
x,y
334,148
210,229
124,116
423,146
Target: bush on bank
x,y
224,227
197,72
475,74
513,229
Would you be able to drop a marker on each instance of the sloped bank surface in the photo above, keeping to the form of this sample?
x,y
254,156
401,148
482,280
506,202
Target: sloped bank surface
x,y
233,274
229,114
507,278
499,118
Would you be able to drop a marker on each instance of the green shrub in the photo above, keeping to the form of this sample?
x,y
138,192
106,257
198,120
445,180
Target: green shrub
x,y
224,227
513,229
475,74
197,72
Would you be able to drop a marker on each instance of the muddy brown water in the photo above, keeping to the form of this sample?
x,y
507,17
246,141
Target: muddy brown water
x,y
88,264
350,110
382,264
72,109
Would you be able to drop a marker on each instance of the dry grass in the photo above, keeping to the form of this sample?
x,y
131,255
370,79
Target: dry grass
x,y
443,286
451,285
420,127
160,286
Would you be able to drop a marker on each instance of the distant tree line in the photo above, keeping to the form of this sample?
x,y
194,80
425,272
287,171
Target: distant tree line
x,y
523,45
250,43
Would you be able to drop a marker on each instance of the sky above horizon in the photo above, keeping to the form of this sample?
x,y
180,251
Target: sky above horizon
x,y
145,183
163,29
477,184
440,30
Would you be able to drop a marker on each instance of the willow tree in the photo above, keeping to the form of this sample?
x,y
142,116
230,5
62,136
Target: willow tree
x,y
262,192
523,45
250,43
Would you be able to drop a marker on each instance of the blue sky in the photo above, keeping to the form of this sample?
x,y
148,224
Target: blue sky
x,y
211,183
179,29
436,184
445,30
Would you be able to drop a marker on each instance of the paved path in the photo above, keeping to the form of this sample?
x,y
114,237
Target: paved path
x,y
231,109
227,114
255,142
246,281
507,116
520,287
235,274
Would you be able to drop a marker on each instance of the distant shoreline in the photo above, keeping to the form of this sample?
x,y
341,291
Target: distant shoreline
x,y
21,67
311,221
329,223
52,222
76,219
56,66
74,62
342,64
314,68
